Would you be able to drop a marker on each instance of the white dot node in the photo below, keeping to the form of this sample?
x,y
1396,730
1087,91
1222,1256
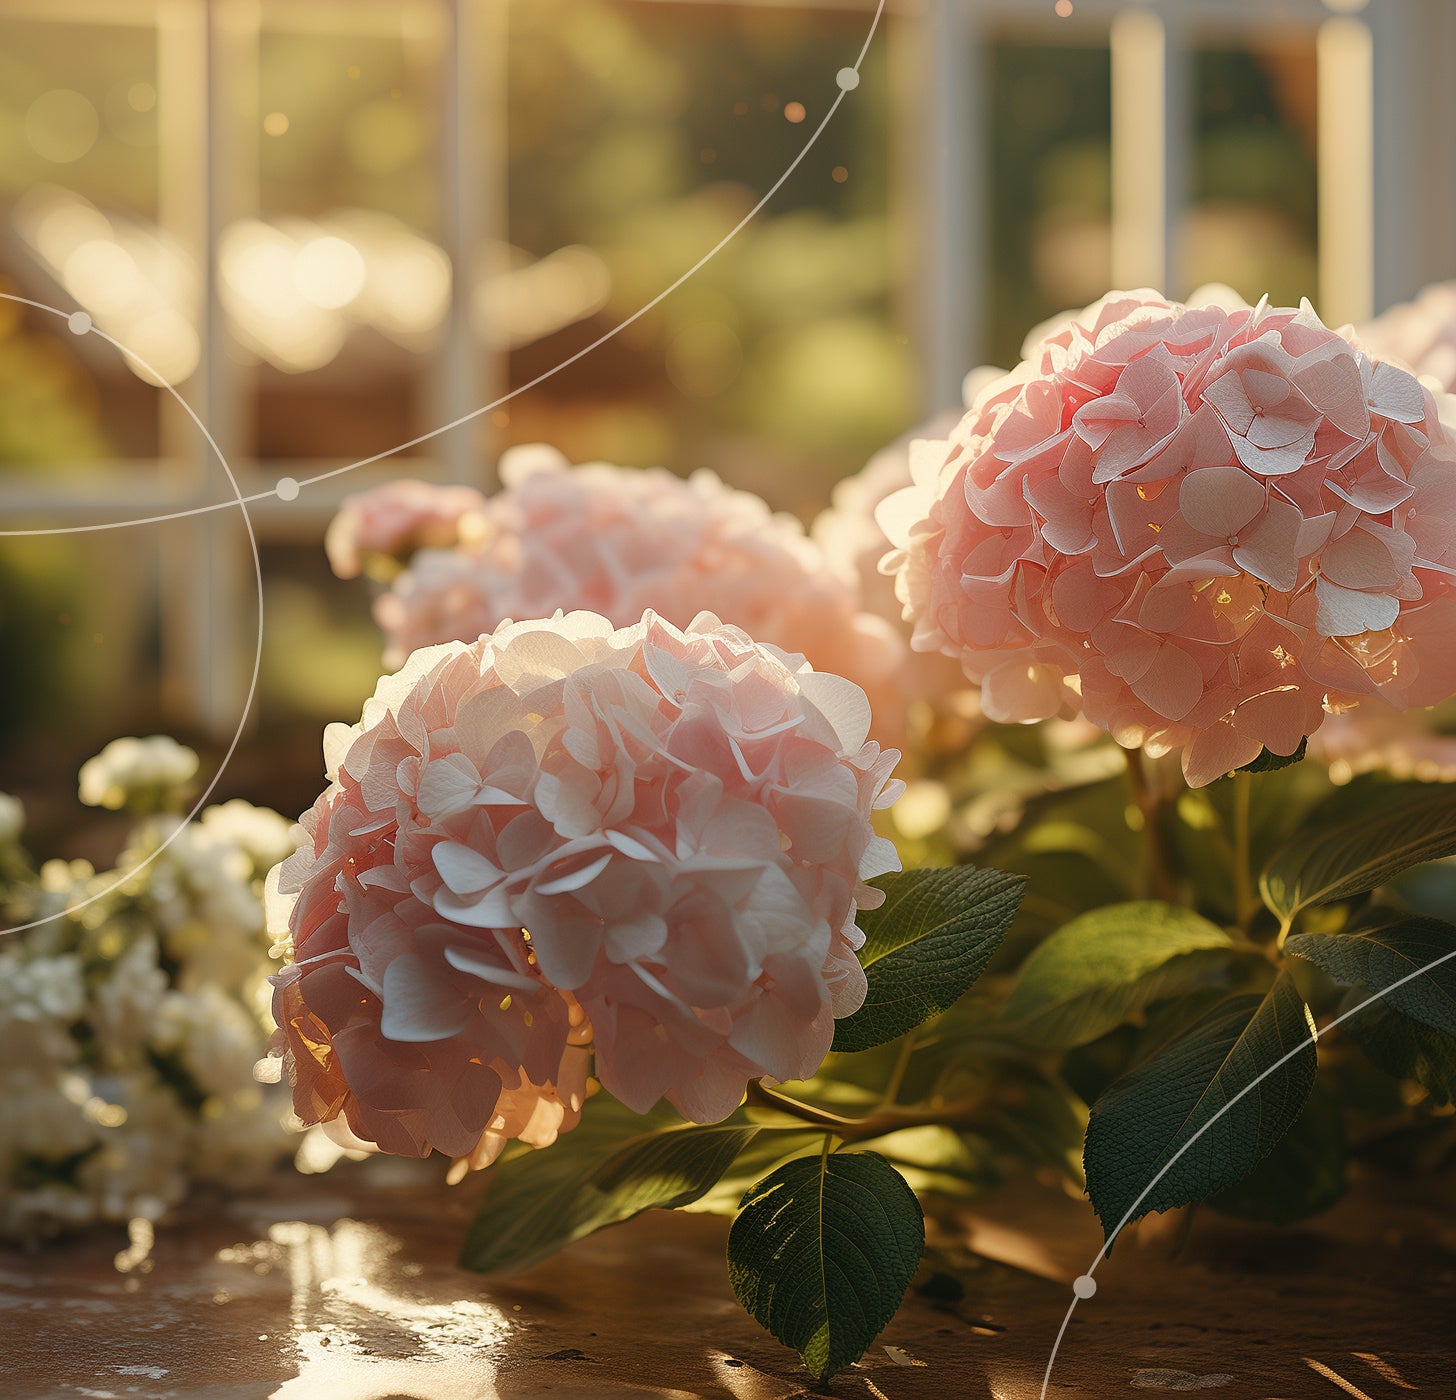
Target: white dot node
x,y
79,322
847,79
287,489
1085,1286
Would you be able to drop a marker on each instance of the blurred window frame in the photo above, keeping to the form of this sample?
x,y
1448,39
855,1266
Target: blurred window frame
x,y
1376,123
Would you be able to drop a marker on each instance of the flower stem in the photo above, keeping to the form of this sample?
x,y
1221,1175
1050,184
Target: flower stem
x,y
764,1097
897,1075
957,1114
1160,881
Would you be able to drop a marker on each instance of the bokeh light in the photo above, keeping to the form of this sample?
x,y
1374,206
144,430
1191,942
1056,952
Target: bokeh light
x,y
61,126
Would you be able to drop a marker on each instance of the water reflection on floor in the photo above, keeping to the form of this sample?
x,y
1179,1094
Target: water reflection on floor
x,y
338,1306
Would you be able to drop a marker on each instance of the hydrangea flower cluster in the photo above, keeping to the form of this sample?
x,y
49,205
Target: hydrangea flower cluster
x,y
129,1028
1200,524
380,528
853,543
644,847
618,541
1419,334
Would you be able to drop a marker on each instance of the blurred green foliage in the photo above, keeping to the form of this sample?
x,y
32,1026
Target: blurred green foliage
x,y
48,416
647,132
1050,111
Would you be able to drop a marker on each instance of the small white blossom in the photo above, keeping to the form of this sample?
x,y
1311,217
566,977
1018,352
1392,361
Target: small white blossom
x,y
145,774
43,989
126,1002
212,1035
265,837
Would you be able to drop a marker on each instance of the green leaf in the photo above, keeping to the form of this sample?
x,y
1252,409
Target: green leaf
x,y
925,946
823,1252
1045,1129
1398,956
1403,1048
932,1157
1302,1176
1335,862
1268,762
1103,967
768,1150
597,1175
1199,1116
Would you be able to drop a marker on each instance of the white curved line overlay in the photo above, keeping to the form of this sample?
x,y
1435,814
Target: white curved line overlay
x,y
1251,1085
257,652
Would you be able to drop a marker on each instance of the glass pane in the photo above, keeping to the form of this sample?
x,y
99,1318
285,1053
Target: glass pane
x,y
320,662
334,283
79,617
78,215
1252,216
640,133
1049,114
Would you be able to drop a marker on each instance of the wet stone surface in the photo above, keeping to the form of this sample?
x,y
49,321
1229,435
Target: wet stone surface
x,y
343,1287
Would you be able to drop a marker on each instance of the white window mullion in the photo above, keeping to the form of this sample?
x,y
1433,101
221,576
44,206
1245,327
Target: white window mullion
x,y
207,76
1140,150
1413,112
472,225
944,238
1344,56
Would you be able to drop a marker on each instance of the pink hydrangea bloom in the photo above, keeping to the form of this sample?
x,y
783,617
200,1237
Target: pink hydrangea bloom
x,y
853,544
395,520
648,845
1419,334
1200,523
618,541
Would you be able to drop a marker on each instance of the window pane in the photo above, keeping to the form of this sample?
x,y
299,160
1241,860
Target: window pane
x,y
640,133
78,214
333,278
1050,173
1252,216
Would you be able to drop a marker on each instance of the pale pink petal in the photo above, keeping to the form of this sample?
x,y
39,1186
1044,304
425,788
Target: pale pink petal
x,y
1017,692
1270,548
1330,378
1361,559
420,1002
1172,684
1219,749
1220,501
1276,460
1346,612
1396,394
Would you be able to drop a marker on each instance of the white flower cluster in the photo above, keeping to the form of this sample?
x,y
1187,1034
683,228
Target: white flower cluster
x,y
145,775
129,1028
